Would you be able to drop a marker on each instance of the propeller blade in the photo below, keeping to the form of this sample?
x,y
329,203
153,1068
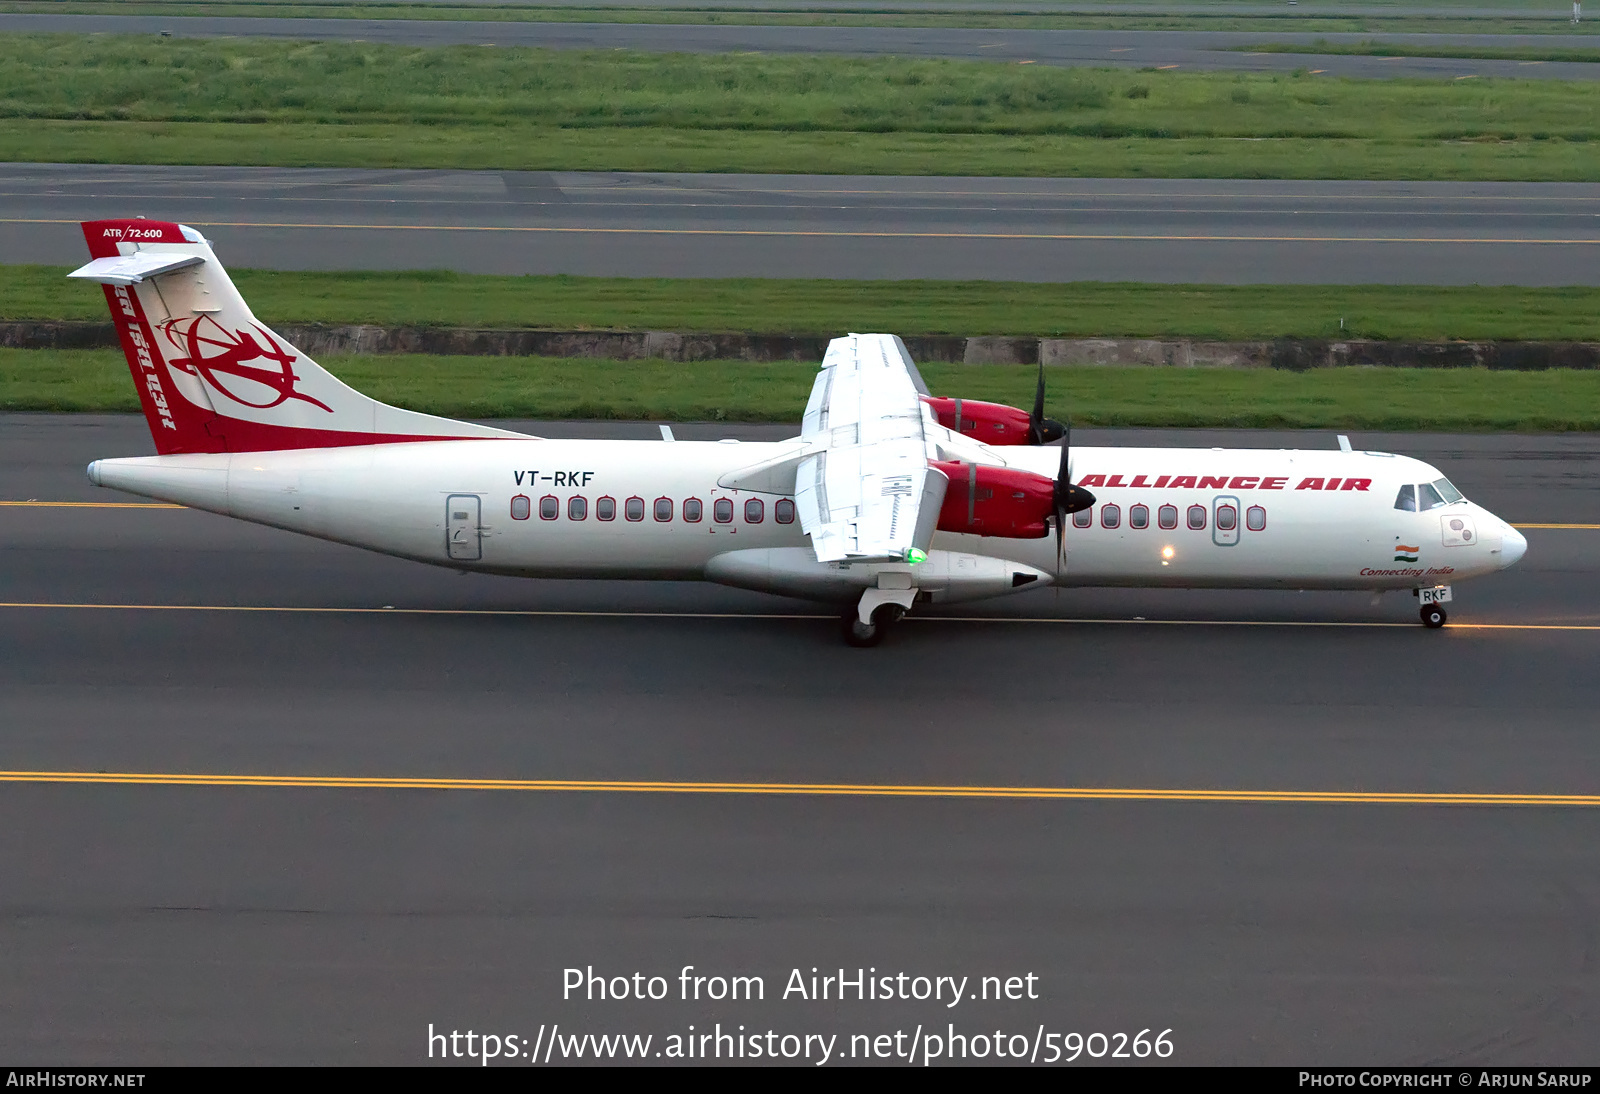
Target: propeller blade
x,y
1036,419
1070,498
1042,430
1061,514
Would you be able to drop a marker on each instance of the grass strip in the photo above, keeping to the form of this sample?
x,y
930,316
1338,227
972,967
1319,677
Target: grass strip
x,y
139,99
1233,313
146,79
1513,19
1389,49
1541,158
534,387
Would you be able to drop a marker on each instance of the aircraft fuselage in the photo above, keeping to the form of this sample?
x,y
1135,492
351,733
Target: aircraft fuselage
x,y
655,509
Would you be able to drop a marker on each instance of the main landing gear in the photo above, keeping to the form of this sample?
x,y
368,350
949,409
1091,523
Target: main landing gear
x,y
878,610
1433,616
862,635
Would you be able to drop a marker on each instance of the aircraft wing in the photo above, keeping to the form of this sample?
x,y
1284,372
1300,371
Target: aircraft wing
x,y
865,490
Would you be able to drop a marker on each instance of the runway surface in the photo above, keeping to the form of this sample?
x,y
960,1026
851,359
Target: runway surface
x,y
1181,49
1504,10
150,923
830,226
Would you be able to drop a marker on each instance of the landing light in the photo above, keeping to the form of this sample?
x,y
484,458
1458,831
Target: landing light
x,y
1166,555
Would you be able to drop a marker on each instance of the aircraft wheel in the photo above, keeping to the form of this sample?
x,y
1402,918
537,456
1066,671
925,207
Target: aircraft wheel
x,y
859,634
863,635
1433,616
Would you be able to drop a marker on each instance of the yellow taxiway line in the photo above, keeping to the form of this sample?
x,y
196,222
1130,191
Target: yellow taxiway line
x,y
529,612
32,503
545,229
1246,623
535,613
865,790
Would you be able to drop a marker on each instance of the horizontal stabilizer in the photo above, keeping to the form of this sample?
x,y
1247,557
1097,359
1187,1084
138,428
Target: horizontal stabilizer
x,y
134,268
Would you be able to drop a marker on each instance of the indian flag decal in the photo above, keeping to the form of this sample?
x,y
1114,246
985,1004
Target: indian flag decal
x,y
1402,553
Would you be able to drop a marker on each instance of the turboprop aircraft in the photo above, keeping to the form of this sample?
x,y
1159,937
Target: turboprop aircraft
x,y
889,498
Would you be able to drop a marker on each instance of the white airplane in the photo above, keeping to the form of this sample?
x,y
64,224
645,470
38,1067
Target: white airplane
x,y
888,498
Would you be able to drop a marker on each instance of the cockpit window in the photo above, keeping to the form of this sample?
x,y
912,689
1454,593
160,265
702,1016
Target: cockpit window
x,y
1407,498
1451,494
1429,498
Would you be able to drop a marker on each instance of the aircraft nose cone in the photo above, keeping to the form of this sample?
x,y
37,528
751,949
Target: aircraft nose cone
x,y
1513,545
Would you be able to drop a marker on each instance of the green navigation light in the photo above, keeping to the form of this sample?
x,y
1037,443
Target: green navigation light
x,y
915,556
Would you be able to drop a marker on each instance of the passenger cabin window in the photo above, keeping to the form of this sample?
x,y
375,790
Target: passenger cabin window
x,y
1450,493
1083,518
1255,518
577,508
783,511
1407,498
549,507
1227,518
1110,516
1197,517
1139,516
722,511
633,509
754,511
521,507
1168,516
693,510
1429,498
663,509
606,509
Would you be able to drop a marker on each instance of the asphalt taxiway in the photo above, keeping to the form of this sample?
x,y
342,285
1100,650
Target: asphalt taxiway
x,y
148,922
830,226
1183,49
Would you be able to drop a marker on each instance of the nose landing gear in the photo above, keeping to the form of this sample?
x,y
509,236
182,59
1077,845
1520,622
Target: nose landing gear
x,y
1433,601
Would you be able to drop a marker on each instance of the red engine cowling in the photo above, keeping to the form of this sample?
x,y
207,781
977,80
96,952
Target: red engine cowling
x,y
990,423
995,501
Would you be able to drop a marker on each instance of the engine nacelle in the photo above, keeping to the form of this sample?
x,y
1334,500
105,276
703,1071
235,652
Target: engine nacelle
x,y
995,501
991,423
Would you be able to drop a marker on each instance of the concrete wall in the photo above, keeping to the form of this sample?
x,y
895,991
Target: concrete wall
x,y
1286,353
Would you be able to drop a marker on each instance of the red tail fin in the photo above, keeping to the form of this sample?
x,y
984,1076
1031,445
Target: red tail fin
x,y
211,378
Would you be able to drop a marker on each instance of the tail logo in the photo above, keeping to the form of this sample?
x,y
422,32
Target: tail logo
x,y
219,357
1403,553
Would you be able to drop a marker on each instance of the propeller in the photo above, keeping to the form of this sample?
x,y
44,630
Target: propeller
x,y
1042,430
1068,498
